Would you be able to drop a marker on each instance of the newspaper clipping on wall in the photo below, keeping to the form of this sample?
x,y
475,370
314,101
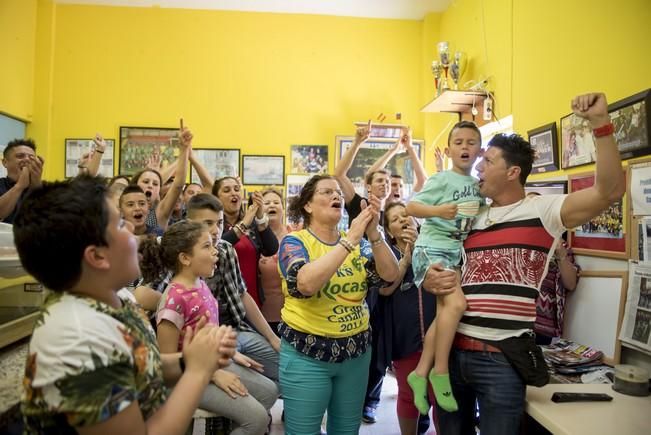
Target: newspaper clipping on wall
x,y
636,327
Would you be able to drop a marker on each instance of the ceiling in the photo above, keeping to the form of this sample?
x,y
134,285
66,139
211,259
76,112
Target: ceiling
x,y
398,9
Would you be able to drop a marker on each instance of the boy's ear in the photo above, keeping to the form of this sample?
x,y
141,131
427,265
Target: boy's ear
x,y
95,257
447,151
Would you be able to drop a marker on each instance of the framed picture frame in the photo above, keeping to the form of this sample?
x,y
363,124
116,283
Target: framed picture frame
x,y
138,145
263,170
631,118
308,159
551,187
577,142
370,152
544,141
605,235
220,162
75,148
294,183
383,131
599,295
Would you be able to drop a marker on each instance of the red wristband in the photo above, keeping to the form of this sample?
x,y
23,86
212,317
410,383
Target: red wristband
x,y
604,130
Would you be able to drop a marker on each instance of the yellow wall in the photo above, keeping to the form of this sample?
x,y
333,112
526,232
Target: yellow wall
x,y
261,82
539,55
17,44
258,82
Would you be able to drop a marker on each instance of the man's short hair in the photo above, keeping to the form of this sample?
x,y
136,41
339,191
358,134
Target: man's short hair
x,y
516,152
18,143
396,176
204,201
368,179
131,188
191,184
56,224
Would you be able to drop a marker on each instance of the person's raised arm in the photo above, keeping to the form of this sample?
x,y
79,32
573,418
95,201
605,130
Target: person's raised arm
x,y
419,169
381,163
610,185
204,176
9,200
96,155
313,275
341,169
166,205
386,264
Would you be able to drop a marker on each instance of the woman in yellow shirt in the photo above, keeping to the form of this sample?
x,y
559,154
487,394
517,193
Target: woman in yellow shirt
x,y
325,348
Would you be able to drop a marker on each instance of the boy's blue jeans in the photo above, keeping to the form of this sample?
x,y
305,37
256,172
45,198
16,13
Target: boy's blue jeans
x,y
491,380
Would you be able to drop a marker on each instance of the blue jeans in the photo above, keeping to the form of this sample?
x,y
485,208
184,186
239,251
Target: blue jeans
x,y
488,378
309,387
257,347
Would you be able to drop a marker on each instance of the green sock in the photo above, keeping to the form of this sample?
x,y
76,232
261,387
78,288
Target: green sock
x,y
418,385
443,391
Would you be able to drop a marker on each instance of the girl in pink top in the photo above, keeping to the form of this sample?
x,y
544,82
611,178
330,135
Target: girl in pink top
x,y
187,249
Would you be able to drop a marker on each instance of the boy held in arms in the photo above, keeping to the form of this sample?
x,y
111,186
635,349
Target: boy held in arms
x,y
449,201
93,365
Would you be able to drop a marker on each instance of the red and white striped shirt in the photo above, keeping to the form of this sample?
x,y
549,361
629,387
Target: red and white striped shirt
x,y
506,259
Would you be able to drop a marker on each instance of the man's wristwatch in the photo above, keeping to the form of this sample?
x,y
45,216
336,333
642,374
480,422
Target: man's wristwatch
x,y
264,220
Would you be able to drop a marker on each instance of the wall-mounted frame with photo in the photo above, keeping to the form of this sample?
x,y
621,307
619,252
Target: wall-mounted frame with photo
x,y
219,162
598,295
605,235
577,142
294,184
75,148
631,118
383,131
544,140
551,187
263,170
309,159
638,185
138,145
369,152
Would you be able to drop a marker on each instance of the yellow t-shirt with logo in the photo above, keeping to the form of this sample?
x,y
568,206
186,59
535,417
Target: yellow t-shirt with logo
x,y
339,308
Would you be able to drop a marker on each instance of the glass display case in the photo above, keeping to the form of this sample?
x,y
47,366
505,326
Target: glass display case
x,y
20,294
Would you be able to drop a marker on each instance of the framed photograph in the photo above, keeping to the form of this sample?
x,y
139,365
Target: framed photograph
x,y
383,131
555,187
605,235
263,170
370,152
75,148
294,184
577,142
544,141
631,118
309,159
140,145
219,162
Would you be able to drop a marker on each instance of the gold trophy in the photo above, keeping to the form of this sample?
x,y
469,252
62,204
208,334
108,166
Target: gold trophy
x,y
458,67
444,56
437,68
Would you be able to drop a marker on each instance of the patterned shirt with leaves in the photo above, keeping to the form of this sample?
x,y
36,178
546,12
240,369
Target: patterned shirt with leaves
x,y
87,362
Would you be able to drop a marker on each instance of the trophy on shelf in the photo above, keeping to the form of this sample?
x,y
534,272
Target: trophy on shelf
x,y
458,67
437,68
444,56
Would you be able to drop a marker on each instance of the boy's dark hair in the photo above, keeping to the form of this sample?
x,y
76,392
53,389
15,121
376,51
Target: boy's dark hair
x,y
18,143
204,201
516,152
296,208
159,257
55,225
465,124
131,188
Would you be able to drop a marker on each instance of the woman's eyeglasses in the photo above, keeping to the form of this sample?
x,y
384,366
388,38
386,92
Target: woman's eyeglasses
x,y
328,191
